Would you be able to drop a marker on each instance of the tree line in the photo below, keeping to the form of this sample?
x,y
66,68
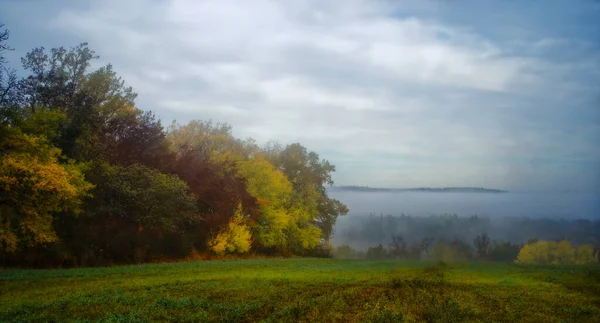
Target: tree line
x,y
482,249
453,238
362,232
88,178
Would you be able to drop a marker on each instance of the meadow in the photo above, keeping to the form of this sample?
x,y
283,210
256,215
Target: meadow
x,y
303,290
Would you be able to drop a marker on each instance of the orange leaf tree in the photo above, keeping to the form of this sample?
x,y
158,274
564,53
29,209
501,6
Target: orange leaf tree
x,y
35,186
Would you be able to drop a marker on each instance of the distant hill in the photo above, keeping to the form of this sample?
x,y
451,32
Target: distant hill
x,y
419,189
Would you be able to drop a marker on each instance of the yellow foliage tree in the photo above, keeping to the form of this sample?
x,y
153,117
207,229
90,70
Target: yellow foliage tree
x,y
236,238
273,191
538,252
564,253
34,186
584,254
214,141
550,252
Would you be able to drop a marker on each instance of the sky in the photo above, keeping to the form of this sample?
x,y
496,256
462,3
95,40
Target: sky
x,y
498,94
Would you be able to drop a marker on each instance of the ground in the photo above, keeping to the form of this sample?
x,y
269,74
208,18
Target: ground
x,y
303,290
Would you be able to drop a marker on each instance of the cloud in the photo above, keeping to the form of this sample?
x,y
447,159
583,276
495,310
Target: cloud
x,y
394,93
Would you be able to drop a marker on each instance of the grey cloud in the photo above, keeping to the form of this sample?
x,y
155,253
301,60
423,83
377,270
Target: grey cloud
x,y
359,82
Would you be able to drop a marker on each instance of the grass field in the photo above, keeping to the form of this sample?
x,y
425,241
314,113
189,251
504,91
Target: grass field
x,y
291,290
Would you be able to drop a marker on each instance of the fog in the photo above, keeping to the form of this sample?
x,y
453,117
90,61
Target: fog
x,y
516,217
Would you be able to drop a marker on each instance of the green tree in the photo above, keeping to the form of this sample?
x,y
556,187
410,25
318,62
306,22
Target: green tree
x,y
145,196
60,81
130,215
504,251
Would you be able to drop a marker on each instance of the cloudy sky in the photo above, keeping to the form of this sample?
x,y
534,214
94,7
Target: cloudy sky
x,y
501,94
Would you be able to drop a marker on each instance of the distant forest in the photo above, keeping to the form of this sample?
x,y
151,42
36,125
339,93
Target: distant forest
x,y
88,178
418,189
414,235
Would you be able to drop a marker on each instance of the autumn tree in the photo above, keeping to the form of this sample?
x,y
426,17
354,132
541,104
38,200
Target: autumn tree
x,y
584,254
207,158
234,238
551,252
35,188
67,128
273,193
309,176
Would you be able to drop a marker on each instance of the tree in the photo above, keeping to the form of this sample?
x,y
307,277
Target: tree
x,y
562,252
565,254
146,197
214,142
133,137
34,188
426,245
57,77
376,253
273,193
9,84
132,209
535,252
398,247
483,245
236,238
66,128
211,170
504,251
584,254
90,100
4,35
309,175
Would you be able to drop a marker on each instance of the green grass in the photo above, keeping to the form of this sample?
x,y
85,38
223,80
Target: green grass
x,y
292,290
